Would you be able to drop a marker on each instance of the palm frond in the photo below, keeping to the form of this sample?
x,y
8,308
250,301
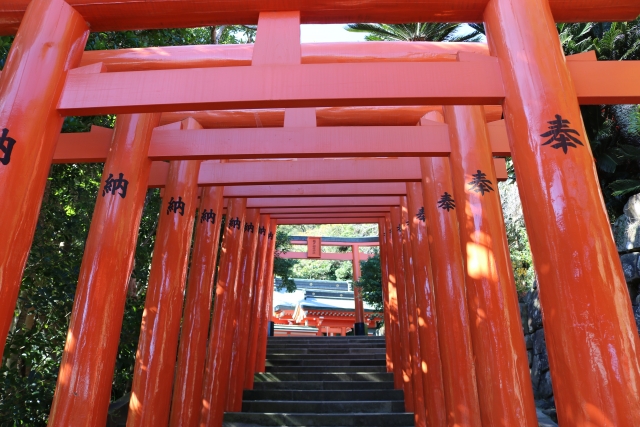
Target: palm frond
x,y
412,32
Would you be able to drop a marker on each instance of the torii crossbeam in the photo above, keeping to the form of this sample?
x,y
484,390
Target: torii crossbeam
x,y
444,253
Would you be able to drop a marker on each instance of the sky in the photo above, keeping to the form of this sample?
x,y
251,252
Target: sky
x,y
312,33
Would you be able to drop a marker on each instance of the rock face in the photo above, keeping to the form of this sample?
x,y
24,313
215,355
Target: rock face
x,y
626,231
537,353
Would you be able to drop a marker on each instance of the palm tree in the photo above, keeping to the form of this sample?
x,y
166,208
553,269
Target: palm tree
x,y
415,32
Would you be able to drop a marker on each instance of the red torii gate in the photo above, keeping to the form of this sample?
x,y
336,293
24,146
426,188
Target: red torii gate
x,y
558,186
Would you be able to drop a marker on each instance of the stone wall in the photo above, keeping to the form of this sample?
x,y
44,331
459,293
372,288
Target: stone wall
x,y
537,353
626,231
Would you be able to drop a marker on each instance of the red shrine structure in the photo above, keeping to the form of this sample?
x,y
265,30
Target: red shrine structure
x,y
329,317
403,135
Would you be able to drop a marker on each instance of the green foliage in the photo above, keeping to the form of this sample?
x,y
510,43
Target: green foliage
x,y
327,270
5,45
519,249
316,269
415,32
283,267
370,282
575,38
613,130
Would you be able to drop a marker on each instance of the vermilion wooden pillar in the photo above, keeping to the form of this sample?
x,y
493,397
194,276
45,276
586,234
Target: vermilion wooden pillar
x,y
187,391
403,322
504,383
158,344
358,327
382,236
393,305
408,295
454,336
245,291
49,42
83,390
426,323
259,299
589,325
216,378
265,322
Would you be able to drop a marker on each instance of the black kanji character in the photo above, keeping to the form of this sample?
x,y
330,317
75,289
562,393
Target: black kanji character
x,y
270,235
175,206
560,132
208,216
447,202
112,185
480,183
399,228
249,227
262,230
420,214
234,223
6,149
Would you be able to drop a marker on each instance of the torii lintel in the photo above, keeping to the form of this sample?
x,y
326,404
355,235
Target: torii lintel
x,y
137,15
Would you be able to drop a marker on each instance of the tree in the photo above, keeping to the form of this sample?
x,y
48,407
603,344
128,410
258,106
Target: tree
x,y
327,270
416,32
283,267
370,282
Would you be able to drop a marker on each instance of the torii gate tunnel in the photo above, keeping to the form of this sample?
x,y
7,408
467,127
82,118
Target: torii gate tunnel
x,y
431,188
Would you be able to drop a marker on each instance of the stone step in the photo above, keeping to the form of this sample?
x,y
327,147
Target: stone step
x,y
243,419
326,369
372,377
320,407
326,350
323,395
326,362
330,356
317,340
324,346
323,385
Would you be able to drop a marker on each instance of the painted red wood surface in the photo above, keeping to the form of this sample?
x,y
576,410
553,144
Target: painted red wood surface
x,y
88,360
425,323
259,301
288,86
277,143
150,402
109,15
216,376
323,201
315,171
500,353
328,220
404,346
203,56
322,209
349,189
407,115
585,303
50,44
245,290
325,85
187,392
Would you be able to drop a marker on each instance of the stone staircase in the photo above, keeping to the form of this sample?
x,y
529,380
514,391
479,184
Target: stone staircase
x,y
323,381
